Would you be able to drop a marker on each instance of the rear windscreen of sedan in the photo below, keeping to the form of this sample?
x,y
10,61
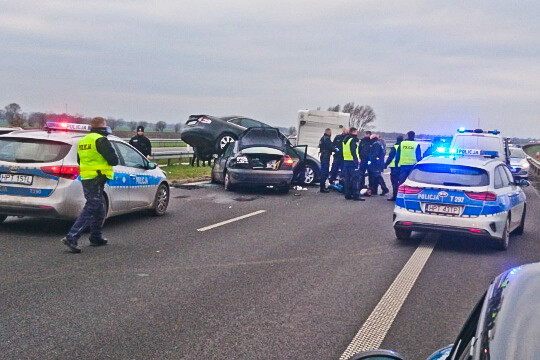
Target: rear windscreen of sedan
x,y
449,175
22,150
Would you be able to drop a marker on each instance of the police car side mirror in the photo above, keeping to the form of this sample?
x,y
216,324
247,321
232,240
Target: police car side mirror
x,y
151,165
377,355
523,183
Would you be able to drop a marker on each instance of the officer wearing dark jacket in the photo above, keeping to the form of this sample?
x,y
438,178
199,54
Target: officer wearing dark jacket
x,y
407,155
394,169
96,157
337,164
325,151
141,142
364,151
350,166
376,166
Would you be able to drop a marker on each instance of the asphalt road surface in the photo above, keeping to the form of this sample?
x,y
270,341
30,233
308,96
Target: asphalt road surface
x,y
292,277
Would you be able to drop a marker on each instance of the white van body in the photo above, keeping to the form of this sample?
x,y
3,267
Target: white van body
x,y
311,126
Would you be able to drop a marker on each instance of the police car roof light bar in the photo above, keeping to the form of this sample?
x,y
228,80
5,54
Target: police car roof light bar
x,y
65,126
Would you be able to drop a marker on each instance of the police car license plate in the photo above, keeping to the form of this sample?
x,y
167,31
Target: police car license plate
x,y
16,179
443,209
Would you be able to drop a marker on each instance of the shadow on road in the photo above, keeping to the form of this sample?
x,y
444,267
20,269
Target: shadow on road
x,y
458,245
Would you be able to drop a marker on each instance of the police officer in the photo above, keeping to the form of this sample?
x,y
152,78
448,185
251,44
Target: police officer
x,y
376,166
407,155
394,169
325,151
350,166
96,158
337,164
364,151
141,142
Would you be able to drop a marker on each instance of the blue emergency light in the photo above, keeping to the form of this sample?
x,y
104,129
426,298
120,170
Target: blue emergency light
x,y
461,129
441,150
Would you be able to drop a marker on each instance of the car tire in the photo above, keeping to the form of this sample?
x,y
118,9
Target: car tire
x,y
403,235
161,200
521,228
3,218
227,182
223,140
309,175
502,243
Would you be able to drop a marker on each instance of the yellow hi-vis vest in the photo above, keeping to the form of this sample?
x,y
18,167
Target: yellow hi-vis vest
x,y
91,161
347,155
393,162
407,153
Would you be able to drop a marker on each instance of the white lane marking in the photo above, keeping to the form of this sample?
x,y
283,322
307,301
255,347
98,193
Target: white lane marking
x,y
374,330
231,220
197,183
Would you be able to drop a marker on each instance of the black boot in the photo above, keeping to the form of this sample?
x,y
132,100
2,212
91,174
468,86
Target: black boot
x,y
98,242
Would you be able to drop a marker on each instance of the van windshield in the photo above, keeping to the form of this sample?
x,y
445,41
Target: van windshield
x,y
449,175
22,150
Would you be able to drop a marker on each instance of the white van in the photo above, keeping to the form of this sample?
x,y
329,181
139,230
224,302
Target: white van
x,y
311,126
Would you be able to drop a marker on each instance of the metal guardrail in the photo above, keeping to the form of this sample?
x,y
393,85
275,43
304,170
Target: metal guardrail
x,y
535,164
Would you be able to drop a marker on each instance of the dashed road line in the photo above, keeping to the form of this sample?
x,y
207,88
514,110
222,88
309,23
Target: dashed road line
x,y
209,227
374,330
198,183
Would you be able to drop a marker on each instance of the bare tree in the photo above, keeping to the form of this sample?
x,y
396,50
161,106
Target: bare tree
x,y
120,122
12,110
362,116
132,125
112,123
178,127
334,108
160,126
37,119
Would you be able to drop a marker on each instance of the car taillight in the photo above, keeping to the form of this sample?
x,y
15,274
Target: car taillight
x,y
481,196
409,190
67,172
288,161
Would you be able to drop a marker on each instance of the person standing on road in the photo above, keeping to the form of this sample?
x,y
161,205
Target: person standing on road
x,y
96,157
376,166
350,166
141,142
325,151
394,169
337,164
364,151
407,155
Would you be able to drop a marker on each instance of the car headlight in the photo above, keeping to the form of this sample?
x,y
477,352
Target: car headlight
x,y
525,165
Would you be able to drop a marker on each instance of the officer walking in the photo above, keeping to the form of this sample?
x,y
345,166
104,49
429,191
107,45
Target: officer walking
x,y
350,166
325,151
407,155
376,166
394,169
96,158
337,164
141,142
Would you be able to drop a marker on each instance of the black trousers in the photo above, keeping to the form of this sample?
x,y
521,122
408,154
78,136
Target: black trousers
x,y
337,166
350,177
394,178
404,172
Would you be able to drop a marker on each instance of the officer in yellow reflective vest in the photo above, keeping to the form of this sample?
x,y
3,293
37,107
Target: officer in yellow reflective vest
x,y
96,157
407,155
351,171
394,169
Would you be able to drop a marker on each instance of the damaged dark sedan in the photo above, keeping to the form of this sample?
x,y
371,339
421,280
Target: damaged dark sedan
x,y
260,157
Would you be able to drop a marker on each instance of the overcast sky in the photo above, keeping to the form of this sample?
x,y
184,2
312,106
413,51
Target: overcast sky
x,y
430,65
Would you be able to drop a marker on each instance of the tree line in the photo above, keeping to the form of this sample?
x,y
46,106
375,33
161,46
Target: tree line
x,y
13,115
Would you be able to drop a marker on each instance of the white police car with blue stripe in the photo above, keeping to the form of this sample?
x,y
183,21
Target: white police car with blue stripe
x,y
474,195
39,176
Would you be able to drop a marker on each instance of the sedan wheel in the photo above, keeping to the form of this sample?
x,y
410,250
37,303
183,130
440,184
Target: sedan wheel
x,y
224,140
309,175
161,201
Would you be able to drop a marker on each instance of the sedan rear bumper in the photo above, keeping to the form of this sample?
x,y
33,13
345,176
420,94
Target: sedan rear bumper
x,y
260,177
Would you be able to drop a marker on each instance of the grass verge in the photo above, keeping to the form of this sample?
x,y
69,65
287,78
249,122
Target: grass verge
x,y
184,173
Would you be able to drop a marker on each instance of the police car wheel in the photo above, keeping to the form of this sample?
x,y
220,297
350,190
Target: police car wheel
x,y
502,243
161,201
519,230
3,218
403,235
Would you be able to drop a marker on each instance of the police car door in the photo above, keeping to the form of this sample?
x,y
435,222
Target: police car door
x,y
516,196
119,187
505,192
141,185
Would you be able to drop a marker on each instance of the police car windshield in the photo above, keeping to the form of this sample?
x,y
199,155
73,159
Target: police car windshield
x,y
19,150
517,153
480,142
449,175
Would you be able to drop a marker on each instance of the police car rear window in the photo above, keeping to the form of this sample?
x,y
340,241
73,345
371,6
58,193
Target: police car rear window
x,y
22,150
449,175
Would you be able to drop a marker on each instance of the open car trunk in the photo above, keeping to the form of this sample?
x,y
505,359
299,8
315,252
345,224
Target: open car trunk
x,y
263,158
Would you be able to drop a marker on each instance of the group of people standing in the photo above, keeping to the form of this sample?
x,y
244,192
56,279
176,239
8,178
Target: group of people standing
x,y
358,159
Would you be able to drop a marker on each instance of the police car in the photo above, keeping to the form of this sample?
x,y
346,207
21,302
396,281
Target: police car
x,y
467,195
39,176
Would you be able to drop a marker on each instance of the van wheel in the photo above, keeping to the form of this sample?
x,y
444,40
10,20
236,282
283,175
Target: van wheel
x,y
3,218
161,200
502,243
519,230
403,235
227,182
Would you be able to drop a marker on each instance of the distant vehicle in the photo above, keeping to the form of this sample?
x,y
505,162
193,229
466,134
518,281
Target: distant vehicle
x,y
7,130
519,165
260,157
505,310
40,176
210,134
480,140
466,195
